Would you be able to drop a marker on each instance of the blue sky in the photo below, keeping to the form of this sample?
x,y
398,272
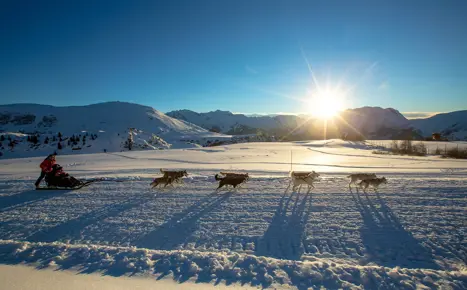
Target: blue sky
x,y
242,56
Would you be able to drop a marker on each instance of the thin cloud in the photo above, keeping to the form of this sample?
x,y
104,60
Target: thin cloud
x,y
383,86
251,70
419,115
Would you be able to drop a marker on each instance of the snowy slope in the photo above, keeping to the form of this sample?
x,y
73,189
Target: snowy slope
x,y
373,122
452,124
408,235
110,122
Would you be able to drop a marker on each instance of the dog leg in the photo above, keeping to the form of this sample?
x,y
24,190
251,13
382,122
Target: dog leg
x,y
290,183
364,189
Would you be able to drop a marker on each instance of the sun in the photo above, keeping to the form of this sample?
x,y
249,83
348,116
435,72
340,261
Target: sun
x,y
326,104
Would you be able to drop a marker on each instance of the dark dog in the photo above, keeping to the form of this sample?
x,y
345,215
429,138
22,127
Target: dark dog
x,y
233,180
160,180
234,174
175,175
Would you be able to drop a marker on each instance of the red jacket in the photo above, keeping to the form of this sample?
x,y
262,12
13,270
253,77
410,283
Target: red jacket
x,y
46,165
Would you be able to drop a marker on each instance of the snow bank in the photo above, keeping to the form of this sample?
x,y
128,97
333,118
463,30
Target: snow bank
x,y
227,266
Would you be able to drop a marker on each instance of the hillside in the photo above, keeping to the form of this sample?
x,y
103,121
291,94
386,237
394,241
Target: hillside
x,y
104,126
452,125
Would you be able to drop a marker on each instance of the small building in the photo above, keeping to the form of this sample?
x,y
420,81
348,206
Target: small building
x,y
436,136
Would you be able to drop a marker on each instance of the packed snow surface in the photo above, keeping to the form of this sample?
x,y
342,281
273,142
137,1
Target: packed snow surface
x,y
410,234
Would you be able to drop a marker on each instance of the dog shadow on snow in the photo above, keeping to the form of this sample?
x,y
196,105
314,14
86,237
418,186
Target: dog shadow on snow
x,y
283,238
74,229
179,228
385,239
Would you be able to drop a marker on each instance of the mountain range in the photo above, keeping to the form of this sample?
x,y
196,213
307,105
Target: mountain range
x,y
370,122
32,129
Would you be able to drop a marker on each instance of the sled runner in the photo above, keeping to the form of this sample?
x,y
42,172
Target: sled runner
x,y
83,184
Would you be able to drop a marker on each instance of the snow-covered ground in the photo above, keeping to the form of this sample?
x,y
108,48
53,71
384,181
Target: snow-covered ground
x,y
21,277
411,234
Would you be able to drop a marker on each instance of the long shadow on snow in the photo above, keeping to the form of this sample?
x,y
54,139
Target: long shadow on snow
x,y
385,239
179,228
27,197
73,229
283,238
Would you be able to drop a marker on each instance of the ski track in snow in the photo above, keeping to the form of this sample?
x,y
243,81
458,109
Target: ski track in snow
x,y
411,233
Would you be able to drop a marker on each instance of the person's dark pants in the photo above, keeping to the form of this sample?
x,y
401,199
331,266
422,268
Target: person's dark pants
x,y
40,178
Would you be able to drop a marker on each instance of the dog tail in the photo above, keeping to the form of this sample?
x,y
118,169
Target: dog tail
x,y
217,177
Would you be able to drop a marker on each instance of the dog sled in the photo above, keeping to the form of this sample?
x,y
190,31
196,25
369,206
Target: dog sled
x,y
58,179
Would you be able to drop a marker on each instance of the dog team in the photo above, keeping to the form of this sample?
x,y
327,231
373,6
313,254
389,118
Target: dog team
x,y
362,180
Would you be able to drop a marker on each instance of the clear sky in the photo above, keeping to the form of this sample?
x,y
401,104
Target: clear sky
x,y
243,56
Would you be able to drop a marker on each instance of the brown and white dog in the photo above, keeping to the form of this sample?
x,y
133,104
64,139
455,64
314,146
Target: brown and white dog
x,y
231,179
374,182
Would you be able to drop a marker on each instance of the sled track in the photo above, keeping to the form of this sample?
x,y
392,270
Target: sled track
x,y
411,223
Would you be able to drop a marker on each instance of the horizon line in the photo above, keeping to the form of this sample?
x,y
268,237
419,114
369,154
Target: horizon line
x,y
410,115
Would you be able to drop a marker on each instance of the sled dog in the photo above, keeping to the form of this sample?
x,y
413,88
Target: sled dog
x,y
174,175
374,182
233,180
160,180
234,174
360,176
302,178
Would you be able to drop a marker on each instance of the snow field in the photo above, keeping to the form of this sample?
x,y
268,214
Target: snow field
x,y
410,234
364,232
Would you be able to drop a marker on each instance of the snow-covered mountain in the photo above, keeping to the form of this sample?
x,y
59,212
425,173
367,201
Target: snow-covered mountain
x,y
31,130
451,125
229,123
104,126
372,122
